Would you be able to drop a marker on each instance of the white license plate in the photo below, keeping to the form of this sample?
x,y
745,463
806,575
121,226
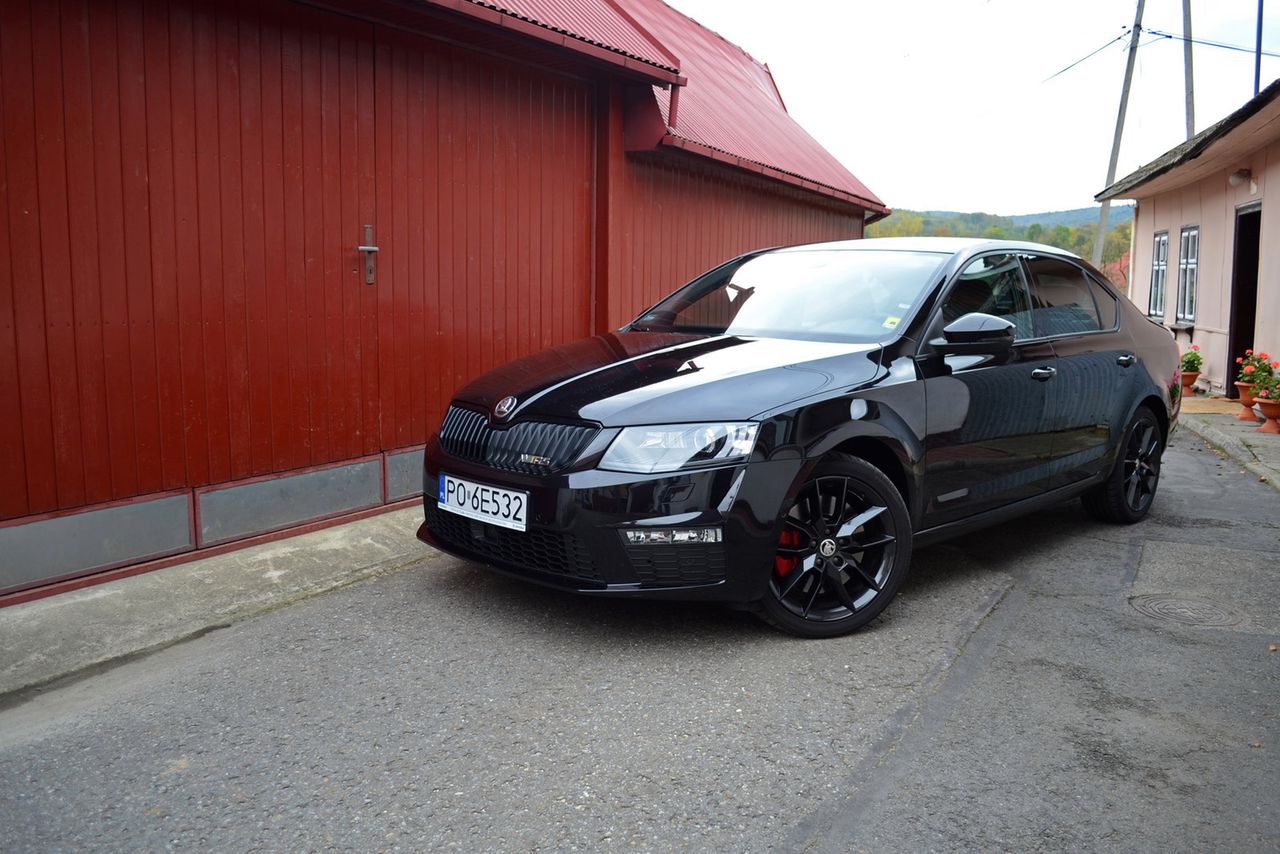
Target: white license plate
x,y
504,507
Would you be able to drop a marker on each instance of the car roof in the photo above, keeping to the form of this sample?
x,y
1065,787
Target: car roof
x,y
947,245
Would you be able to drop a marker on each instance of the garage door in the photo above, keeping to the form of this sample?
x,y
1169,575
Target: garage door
x,y
484,177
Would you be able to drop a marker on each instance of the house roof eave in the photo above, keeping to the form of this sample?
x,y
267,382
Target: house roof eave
x,y
1192,148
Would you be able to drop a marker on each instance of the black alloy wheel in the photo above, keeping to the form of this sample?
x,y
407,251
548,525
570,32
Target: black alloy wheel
x,y
1126,495
843,552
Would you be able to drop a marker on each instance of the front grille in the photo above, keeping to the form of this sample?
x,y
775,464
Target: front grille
x,y
545,551
683,563
467,434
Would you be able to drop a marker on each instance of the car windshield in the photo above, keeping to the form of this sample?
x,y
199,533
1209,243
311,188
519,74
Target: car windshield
x,y
819,294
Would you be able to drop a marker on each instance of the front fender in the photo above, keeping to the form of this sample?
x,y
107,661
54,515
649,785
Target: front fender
x,y
879,423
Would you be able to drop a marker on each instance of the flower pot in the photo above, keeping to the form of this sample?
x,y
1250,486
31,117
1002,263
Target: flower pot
x,y
1189,378
1246,402
1270,412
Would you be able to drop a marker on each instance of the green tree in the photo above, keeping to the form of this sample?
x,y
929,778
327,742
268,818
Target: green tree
x,y
1117,243
898,224
1034,231
1059,236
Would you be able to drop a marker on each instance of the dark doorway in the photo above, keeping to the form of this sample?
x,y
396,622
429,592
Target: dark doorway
x,y
1244,290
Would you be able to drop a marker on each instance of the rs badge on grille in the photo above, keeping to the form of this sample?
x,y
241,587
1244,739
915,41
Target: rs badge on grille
x,y
535,460
505,407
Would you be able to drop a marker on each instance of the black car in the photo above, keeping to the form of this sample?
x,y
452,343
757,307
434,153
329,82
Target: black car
x,y
782,431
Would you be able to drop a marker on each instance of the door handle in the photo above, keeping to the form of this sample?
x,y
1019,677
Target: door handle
x,y
1126,360
1044,374
369,250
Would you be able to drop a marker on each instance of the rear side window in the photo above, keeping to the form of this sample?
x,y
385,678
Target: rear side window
x,y
1107,309
1061,298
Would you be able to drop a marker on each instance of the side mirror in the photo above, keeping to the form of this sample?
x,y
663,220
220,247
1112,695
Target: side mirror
x,y
976,334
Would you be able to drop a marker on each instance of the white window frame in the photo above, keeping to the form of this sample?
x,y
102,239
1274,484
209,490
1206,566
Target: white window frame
x,y
1159,274
1188,273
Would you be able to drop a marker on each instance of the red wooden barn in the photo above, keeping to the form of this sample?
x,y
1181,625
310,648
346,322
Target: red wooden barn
x,y
192,349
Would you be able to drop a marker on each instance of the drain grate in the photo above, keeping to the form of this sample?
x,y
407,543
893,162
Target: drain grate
x,y
1188,612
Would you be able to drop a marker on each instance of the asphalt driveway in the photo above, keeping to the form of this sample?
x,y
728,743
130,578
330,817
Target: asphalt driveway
x,y
1050,684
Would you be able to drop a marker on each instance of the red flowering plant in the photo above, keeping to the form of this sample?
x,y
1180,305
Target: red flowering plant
x,y
1267,386
1192,360
1254,365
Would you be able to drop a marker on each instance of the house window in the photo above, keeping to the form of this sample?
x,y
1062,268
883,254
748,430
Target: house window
x,y
1188,259
1159,268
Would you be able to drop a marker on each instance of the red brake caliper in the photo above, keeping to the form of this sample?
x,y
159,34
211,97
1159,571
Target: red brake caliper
x,y
782,565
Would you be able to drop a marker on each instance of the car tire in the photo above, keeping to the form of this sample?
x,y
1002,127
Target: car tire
x,y
1126,495
844,551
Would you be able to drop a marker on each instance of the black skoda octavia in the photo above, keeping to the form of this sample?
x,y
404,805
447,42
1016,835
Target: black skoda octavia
x,y
782,431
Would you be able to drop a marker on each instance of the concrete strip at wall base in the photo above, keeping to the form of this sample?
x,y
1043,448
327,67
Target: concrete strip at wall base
x,y
240,511
62,635
125,533
404,474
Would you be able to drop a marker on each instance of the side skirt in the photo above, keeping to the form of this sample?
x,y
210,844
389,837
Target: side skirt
x,y
937,534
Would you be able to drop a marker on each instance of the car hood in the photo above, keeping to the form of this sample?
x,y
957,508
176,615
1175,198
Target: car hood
x,y
628,378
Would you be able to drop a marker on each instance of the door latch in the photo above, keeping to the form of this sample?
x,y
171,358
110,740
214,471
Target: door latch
x,y
370,251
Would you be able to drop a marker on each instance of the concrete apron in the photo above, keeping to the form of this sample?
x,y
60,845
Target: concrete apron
x,y
1214,421
79,632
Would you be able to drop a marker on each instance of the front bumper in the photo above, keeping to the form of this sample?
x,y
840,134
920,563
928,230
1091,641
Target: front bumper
x,y
576,518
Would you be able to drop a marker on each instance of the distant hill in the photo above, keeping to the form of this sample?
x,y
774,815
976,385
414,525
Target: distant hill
x,y
1078,216
1073,230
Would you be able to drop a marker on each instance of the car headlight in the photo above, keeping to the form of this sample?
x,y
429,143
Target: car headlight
x,y
671,447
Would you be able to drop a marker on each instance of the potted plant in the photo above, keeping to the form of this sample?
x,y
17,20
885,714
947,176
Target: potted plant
x,y
1252,367
1266,393
1191,362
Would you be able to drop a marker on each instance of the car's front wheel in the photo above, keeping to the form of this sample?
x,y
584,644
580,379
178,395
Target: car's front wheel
x,y
843,552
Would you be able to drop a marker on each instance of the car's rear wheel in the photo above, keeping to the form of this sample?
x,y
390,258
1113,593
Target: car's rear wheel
x,y
843,552
1126,495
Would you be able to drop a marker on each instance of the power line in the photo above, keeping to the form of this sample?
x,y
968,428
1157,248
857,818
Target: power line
x,y
1156,36
1208,43
1090,55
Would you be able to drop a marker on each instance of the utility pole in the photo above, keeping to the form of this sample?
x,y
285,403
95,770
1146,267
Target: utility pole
x,y
1186,67
1257,54
1104,213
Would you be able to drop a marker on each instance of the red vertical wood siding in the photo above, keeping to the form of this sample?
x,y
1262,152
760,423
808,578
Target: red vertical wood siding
x,y
181,302
179,305
673,218
484,174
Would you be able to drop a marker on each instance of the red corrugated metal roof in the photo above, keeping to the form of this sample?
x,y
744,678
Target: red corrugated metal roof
x,y
730,110
598,22
731,105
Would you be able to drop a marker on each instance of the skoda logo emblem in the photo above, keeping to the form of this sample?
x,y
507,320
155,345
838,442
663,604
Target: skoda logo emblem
x,y
505,407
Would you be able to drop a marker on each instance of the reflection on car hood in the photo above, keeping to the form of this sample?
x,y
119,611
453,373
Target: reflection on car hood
x,y
652,378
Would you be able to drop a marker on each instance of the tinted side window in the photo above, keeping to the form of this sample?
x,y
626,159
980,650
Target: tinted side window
x,y
993,285
1061,299
1107,309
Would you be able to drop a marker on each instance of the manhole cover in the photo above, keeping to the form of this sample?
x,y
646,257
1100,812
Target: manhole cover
x,y
1189,612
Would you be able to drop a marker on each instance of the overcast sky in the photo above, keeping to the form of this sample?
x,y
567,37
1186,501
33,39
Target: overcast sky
x,y
941,105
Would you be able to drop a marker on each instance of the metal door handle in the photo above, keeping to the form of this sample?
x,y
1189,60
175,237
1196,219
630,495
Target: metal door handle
x,y
1126,360
1044,374
369,250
